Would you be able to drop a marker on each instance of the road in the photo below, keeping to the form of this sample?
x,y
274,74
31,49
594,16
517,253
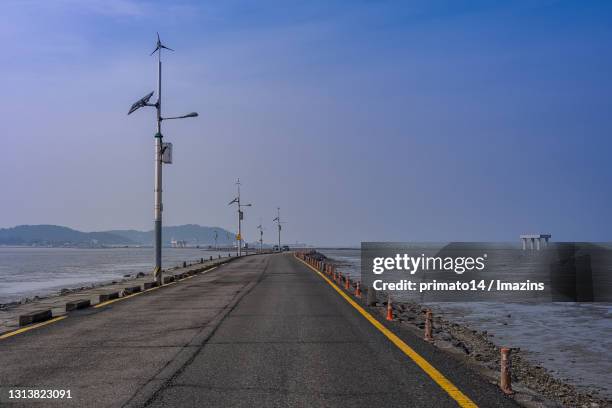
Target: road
x,y
260,331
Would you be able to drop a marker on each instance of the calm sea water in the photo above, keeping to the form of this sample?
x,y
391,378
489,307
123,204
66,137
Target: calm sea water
x,y
573,340
28,272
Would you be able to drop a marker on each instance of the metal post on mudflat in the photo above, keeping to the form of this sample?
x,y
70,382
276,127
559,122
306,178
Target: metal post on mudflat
x,y
163,154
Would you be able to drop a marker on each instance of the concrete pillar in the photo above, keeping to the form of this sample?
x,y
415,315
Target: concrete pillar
x,y
546,242
524,243
538,243
532,239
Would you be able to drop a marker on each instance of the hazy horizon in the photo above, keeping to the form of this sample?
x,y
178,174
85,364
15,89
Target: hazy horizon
x,y
390,121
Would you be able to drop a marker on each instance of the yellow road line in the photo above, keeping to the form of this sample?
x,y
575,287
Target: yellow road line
x,y
462,399
108,302
34,326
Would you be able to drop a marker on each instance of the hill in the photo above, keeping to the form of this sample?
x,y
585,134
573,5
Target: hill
x,y
193,234
55,235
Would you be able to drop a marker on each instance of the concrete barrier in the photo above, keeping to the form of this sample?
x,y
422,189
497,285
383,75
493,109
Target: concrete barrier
x,y
35,317
131,290
108,296
78,304
168,279
149,285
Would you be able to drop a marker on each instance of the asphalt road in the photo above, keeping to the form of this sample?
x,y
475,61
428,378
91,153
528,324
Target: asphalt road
x,y
259,331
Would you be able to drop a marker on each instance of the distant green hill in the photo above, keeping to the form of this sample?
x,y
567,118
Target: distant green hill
x,y
193,234
54,235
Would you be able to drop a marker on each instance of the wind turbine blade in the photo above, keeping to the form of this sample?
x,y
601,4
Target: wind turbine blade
x,y
168,48
155,50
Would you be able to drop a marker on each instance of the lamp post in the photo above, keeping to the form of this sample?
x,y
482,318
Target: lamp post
x,y
278,222
240,217
162,155
261,230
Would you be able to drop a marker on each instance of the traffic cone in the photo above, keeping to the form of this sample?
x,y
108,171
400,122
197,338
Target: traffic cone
x,y
389,309
347,283
358,290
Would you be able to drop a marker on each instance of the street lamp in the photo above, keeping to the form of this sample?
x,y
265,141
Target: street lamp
x,y
278,222
240,217
261,230
161,156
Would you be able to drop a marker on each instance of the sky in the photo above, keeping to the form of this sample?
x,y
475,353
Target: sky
x,y
364,121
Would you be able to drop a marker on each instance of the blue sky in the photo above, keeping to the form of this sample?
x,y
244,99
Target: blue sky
x,y
407,120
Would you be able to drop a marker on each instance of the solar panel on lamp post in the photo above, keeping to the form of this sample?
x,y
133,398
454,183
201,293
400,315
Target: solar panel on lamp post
x,y
160,149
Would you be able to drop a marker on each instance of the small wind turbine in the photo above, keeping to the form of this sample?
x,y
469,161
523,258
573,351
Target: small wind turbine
x,y
160,157
278,222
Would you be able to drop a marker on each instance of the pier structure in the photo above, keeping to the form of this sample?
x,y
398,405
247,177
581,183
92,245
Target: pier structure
x,y
536,241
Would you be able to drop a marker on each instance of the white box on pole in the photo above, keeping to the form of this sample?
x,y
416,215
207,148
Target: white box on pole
x,y
167,155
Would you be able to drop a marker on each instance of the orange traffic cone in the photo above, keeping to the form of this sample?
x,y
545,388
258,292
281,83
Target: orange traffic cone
x,y
358,290
347,283
389,309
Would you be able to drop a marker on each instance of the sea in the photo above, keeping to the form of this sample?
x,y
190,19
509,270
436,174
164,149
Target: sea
x,y
26,272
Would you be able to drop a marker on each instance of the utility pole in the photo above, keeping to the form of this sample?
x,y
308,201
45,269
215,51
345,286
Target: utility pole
x,y
278,222
162,155
216,236
260,228
240,217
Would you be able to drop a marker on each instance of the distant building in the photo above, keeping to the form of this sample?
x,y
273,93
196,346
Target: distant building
x,y
178,243
536,240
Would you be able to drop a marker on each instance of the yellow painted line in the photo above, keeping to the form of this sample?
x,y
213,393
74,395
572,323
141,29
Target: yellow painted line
x,y
108,302
454,392
34,326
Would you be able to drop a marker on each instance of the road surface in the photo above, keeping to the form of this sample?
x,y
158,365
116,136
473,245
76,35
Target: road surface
x,y
263,330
